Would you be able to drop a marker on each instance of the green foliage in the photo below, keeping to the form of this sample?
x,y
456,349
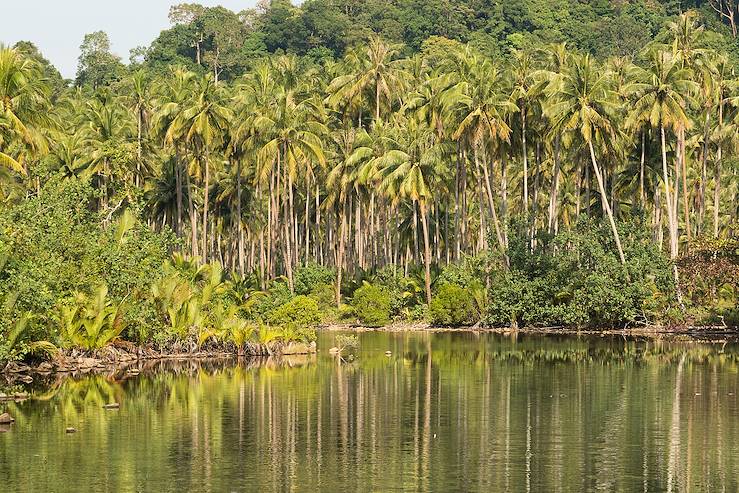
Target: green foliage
x,y
709,282
372,305
453,305
300,313
90,322
576,279
310,276
54,246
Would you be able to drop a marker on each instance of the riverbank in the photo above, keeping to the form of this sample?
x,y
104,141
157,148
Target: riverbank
x,y
717,334
127,356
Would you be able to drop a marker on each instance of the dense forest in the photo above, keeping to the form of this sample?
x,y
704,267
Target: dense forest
x,y
558,163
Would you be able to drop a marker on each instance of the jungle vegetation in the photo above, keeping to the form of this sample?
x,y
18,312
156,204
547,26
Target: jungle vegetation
x,y
521,164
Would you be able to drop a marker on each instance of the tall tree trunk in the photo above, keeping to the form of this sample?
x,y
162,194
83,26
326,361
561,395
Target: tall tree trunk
x,y
426,250
240,228
491,205
606,206
377,98
287,239
704,173
206,189
642,194
717,177
340,252
668,202
307,217
686,201
554,190
193,216
139,124
525,162
178,193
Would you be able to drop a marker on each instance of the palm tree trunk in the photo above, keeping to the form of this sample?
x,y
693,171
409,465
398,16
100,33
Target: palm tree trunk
x,y
686,202
668,201
178,193
554,190
704,174
377,99
340,252
606,206
491,205
642,195
525,162
287,240
193,216
426,250
206,189
138,147
240,227
307,217
717,176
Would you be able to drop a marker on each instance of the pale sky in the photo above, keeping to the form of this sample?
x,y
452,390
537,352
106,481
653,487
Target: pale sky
x,y
58,26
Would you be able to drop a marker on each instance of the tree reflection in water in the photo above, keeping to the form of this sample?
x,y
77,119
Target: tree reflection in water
x,y
448,411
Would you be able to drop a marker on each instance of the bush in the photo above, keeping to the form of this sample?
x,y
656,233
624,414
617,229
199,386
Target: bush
x,y
299,313
54,245
406,293
577,280
453,305
325,296
371,305
311,275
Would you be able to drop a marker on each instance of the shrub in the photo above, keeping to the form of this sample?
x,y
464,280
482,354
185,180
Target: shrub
x,y
453,305
311,275
371,305
324,295
406,293
299,313
576,279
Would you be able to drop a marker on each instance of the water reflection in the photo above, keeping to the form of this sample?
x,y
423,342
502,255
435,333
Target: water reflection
x,y
447,411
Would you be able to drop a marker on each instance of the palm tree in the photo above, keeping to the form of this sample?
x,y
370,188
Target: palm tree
x,y
585,103
369,67
483,126
106,126
410,168
292,128
23,99
139,100
170,103
523,94
660,100
202,123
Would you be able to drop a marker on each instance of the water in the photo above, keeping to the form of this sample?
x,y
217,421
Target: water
x,y
445,412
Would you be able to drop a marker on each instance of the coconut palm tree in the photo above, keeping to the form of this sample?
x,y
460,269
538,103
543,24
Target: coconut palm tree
x,y
23,99
370,67
410,170
585,103
202,124
482,126
661,99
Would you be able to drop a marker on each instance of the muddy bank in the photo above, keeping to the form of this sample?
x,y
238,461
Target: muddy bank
x,y
127,356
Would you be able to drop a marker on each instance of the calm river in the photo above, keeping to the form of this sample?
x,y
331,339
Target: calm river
x,y
444,412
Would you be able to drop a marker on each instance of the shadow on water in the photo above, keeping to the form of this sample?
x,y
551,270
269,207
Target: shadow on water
x,y
444,411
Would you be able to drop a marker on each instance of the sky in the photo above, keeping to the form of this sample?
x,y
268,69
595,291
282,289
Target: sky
x,y
58,26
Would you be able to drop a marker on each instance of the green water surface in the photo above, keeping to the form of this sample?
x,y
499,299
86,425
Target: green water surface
x,y
444,412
